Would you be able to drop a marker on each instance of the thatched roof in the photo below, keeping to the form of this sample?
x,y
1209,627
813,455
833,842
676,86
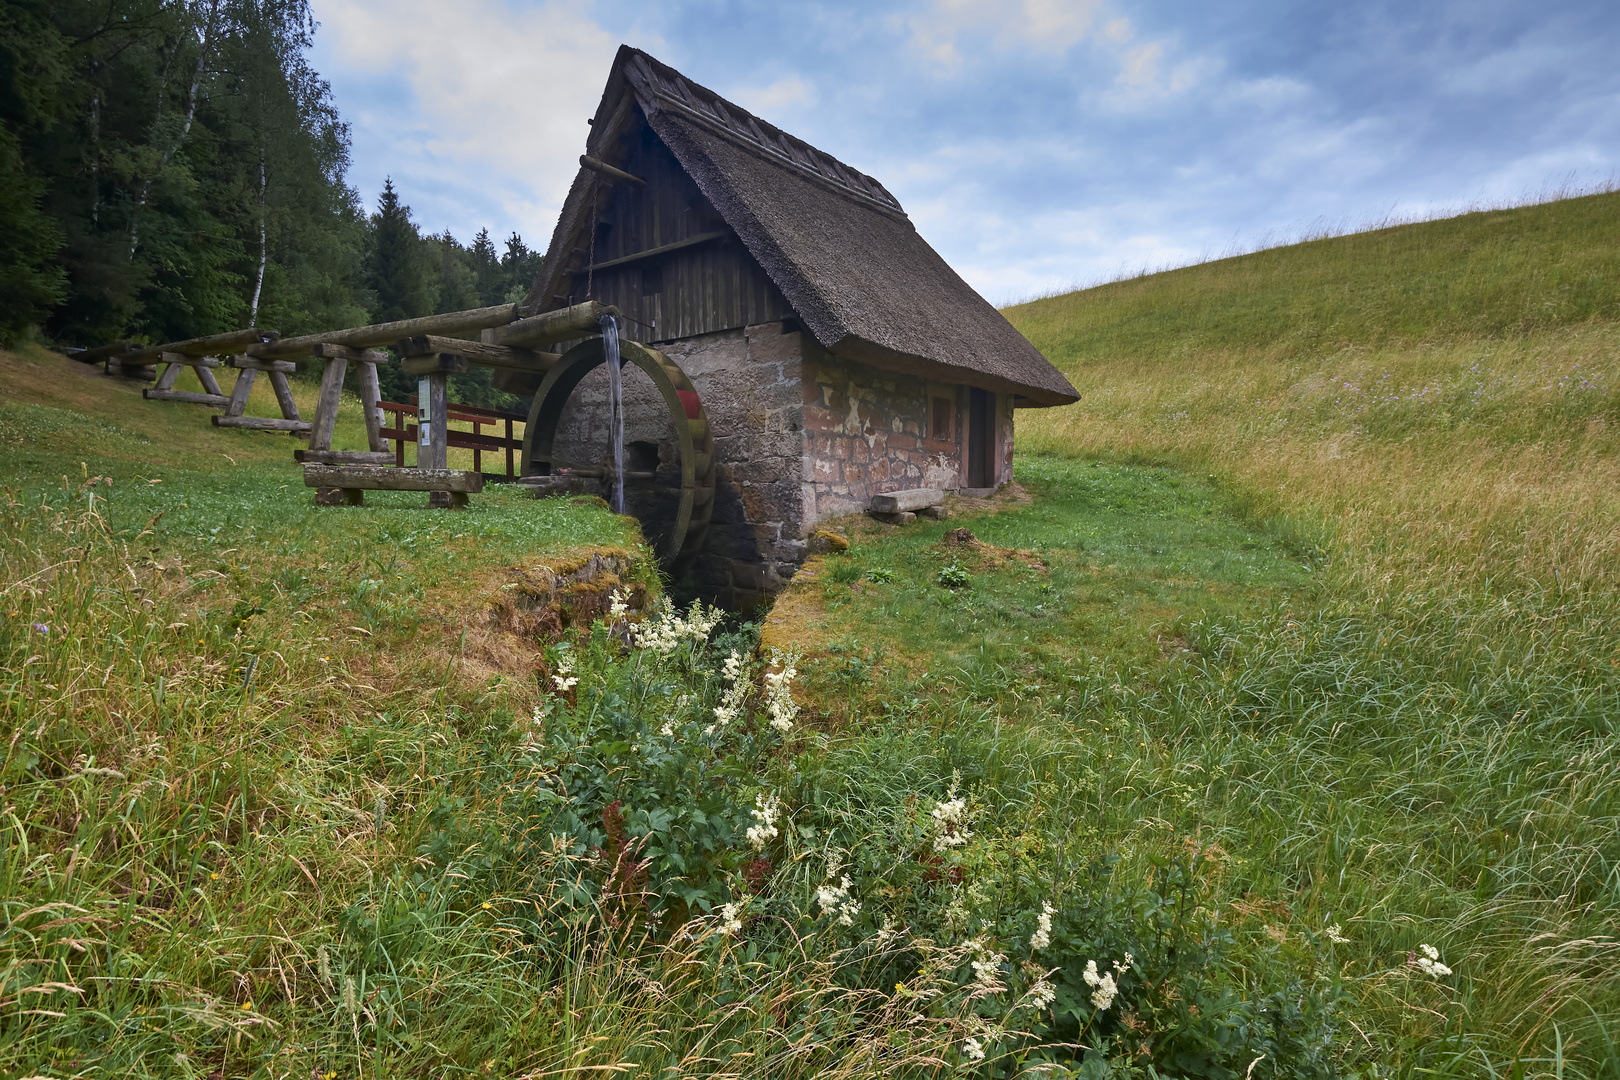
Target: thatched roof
x,y
833,239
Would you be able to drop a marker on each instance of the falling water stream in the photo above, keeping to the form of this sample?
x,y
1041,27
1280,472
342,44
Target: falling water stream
x,y
610,348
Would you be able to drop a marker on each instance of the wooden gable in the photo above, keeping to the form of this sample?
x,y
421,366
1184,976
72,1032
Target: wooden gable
x,y
662,254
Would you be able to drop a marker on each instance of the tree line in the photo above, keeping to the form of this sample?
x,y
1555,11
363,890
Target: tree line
x,y
174,168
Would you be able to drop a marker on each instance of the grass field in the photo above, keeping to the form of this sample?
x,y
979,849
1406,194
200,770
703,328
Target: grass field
x,y
1300,655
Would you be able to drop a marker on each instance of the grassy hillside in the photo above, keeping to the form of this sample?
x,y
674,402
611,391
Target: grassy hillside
x,y
1447,394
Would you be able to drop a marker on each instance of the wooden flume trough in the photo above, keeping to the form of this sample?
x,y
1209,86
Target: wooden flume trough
x,y
512,340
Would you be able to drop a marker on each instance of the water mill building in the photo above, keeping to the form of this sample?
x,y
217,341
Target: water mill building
x,y
833,353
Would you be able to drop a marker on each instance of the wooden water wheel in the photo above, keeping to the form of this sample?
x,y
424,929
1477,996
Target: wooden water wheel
x,y
680,532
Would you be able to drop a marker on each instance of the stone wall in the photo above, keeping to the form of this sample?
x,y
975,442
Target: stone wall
x,y
872,431
800,435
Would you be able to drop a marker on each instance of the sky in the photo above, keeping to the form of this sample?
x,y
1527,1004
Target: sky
x,y
1039,145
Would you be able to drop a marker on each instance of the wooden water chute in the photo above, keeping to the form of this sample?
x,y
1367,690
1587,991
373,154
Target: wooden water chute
x,y
695,496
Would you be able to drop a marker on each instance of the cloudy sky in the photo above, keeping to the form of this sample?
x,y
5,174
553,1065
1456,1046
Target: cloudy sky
x,y
1037,144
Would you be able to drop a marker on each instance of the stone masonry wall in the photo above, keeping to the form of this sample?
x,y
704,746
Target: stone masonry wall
x,y
872,431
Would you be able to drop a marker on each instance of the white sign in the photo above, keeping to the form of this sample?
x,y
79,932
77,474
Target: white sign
x,y
424,413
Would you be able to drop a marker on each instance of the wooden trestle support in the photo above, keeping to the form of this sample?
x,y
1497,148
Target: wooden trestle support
x,y
511,336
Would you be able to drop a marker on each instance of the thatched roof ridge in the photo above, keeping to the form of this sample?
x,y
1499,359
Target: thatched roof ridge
x,y
834,240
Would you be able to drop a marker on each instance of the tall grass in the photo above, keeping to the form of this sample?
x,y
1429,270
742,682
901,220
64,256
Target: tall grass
x,y
1430,753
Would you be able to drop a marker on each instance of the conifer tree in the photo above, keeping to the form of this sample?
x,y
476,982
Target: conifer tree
x,y
486,267
396,268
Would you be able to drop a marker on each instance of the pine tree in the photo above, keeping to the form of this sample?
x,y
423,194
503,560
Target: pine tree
x,y
396,268
519,268
486,267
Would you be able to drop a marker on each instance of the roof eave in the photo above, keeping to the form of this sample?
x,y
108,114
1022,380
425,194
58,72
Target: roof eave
x,y
868,352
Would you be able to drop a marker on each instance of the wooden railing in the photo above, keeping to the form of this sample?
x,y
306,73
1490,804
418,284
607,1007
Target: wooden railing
x,y
403,429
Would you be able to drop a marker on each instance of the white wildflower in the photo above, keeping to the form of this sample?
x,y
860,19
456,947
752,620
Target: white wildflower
x,y
986,966
973,1049
779,691
1104,987
1335,934
1429,963
1041,995
836,901
766,810
950,819
668,730
1042,937
889,931
736,692
563,679
667,630
617,607
730,919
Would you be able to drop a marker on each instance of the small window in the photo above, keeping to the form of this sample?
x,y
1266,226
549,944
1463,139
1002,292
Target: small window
x,y
940,428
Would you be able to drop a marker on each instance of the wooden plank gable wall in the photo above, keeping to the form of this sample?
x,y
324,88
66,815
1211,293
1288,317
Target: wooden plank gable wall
x,y
706,280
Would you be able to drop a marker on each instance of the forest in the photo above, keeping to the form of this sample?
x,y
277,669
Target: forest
x,y
174,168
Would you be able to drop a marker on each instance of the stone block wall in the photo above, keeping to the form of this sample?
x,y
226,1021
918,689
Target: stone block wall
x,y
872,431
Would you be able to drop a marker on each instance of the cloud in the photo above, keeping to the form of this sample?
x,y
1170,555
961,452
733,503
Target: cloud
x,y
474,93
1053,26
780,95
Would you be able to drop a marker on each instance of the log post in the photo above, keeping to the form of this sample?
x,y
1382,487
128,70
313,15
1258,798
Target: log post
x,y
205,375
240,392
284,398
170,374
433,428
320,436
370,397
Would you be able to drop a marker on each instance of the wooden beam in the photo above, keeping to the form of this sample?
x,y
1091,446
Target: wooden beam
x,y
240,392
326,406
188,361
104,352
653,253
435,364
598,166
370,395
325,350
212,345
253,363
388,478
580,320
219,400
262,423
284,398
344,457
364,337
476,352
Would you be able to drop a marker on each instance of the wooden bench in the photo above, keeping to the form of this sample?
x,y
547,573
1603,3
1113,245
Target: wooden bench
x,y
353,481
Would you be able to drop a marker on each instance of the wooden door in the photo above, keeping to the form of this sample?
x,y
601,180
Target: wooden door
x,y
981,438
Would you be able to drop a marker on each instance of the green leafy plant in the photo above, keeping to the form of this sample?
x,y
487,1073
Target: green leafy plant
x,y
952,576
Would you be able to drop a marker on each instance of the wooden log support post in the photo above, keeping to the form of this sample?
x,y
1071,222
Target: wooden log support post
x,y
433,429
332,373
371,400
239,393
